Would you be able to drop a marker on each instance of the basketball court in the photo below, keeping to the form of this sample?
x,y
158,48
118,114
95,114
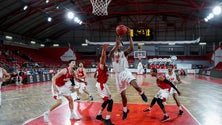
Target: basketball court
x,y
49,33
136,116
26,104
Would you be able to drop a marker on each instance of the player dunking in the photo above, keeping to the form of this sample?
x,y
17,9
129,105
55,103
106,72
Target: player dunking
x,y
175,79
62,86
101,76
162,95
4,75
123,76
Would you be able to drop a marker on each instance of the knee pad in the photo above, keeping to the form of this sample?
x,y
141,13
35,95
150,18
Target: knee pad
x,y
104,104
153,101
160,103
110,105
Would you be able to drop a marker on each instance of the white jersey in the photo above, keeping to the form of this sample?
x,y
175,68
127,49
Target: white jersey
x,y
120,62
140,68
172,78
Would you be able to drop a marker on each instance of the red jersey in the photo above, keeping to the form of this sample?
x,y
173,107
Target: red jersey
x,y
102,75
80,72
162,84
63,79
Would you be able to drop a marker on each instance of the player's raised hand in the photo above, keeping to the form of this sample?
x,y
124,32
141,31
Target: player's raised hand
x,y
105,47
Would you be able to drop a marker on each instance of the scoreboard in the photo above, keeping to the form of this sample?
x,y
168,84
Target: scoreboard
x,y
141,34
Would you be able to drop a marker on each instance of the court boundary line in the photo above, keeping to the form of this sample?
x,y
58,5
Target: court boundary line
x,y
191,115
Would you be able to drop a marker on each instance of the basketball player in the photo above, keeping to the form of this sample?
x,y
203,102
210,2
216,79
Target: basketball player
x,y
140,68
81,86
101,76
162,95
62,86
18,78
175,79
4,75
123,76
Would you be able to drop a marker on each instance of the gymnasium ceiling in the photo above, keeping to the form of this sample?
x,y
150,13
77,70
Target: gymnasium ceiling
x,y
32,23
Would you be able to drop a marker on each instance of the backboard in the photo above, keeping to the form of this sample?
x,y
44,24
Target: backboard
x,y
139,54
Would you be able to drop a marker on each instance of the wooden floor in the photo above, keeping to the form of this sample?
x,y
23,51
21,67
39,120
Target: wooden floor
x,y
201,96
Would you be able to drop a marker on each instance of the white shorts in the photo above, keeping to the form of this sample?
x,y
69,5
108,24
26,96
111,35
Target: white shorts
x,y
105,92
123,79
65,89
80,85
140,71
163,94
172,90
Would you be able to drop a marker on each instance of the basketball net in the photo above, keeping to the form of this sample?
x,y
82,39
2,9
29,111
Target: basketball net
x,y
140,58
100,7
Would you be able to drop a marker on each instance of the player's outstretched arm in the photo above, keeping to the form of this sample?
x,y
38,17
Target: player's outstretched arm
x,y
103,54
172,85
131,47
115,47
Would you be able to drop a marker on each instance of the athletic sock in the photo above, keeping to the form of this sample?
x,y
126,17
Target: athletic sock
x,y
100,112
107,117
141,93
125,109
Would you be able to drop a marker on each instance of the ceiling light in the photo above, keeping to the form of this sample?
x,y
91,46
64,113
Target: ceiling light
x,y
202,43
70,15
217,10
210,16
84,44
25,7
33,42
76,19
42,45
49,19
55,45
8,37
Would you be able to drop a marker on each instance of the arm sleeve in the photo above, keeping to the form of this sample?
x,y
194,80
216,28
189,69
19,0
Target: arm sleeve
x,y
171,84
73,82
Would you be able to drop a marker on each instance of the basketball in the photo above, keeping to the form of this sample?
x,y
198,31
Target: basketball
x,y
121,30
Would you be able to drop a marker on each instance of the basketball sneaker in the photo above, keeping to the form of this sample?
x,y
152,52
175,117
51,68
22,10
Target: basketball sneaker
x,y
46,117
91,98
74,116
145,99
147,110
180,113
125,114
99,117
77,99
108,122
165,118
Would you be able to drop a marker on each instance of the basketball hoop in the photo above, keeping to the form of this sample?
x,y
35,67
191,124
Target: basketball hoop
x,y
139,54
100,7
